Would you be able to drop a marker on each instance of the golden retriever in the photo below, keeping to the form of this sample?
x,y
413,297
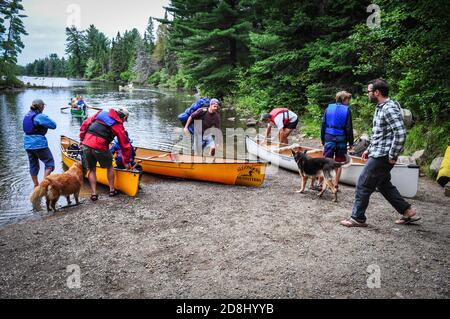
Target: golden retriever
x,y
55,185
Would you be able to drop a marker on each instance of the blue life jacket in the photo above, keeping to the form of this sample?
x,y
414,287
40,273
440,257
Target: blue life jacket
x,y
336,119
101,126
183,117
30,128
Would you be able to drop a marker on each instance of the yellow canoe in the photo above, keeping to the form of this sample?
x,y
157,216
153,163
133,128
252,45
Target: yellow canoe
x,y
209,169
126,181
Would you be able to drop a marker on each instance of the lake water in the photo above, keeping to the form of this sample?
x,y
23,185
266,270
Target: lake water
x,y
153,123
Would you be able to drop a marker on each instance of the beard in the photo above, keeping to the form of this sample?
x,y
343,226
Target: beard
x,y
373,99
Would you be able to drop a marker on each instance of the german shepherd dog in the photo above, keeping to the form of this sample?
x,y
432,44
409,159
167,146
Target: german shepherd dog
x,y
55,185
315,167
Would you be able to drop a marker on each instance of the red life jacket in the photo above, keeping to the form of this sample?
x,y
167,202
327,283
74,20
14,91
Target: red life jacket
x,y
275,112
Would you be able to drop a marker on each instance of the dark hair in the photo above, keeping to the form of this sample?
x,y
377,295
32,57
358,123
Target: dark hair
x,y
380,85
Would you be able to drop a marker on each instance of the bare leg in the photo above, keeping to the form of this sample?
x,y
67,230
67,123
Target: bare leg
x,y
47,172
93,181
338,176
110,173
35,181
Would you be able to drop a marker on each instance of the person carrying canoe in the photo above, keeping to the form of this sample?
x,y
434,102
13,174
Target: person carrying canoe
x,y
337,131
386,144
210,118
35,126
285,120
96,134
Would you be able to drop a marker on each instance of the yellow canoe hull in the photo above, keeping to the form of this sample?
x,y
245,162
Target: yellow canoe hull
x,y
125,181
208,169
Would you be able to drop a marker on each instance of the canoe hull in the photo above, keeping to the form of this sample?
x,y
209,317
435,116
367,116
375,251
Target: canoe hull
x,y
203,169
78,113
404,177
125,181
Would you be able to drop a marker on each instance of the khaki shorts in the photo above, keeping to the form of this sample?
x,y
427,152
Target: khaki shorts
x,y
92,156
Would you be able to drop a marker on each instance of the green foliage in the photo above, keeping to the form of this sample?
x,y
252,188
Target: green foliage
x,y
154,79
127,76
76,49
210,39
49,66
11,45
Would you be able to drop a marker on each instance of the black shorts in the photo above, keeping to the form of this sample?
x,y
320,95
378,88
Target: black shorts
x,y
92,156
292,125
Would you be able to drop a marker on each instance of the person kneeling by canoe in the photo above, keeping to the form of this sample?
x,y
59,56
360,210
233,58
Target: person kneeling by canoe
x,y
285,120
117,154
96,133
210,118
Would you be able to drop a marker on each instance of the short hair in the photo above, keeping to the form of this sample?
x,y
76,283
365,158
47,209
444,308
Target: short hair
x,y
265,116
380,85
342,96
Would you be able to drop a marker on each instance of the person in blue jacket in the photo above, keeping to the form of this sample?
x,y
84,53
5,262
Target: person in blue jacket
x,y
35,126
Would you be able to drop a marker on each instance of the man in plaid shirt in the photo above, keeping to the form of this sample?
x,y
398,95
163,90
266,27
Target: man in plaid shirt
x,y
388,138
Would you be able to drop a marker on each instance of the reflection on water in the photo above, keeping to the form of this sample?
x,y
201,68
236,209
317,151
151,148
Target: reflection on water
x,y
151,124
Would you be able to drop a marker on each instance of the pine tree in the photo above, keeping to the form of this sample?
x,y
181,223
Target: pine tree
x,y
76,49
13,29
149,37
142,67
210,37
97,50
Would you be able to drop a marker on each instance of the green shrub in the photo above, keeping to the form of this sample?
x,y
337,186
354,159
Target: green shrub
x,y
127,76
154,79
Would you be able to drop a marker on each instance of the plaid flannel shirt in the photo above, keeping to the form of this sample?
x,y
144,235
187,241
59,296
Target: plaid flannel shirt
x,y
389,132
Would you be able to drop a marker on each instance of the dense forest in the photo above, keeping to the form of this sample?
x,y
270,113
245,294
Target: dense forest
x,y
261,54
11,45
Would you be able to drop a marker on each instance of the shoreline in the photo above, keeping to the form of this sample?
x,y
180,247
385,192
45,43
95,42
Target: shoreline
x,y
188,239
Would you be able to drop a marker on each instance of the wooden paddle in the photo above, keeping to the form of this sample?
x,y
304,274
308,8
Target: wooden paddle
x,y
134,166
95,108
156,156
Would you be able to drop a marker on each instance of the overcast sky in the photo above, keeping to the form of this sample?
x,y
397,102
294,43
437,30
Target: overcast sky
x,y
47,20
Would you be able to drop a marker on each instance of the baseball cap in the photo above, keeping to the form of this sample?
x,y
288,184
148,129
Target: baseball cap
x,y
37,102
123,111
214,101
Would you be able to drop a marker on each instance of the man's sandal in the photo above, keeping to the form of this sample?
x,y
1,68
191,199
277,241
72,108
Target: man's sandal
x,y
407,220
113,193
353,223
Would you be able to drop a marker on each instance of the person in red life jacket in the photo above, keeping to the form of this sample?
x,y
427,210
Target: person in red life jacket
x,y
35,126
337,131
284,119
96,134
210,118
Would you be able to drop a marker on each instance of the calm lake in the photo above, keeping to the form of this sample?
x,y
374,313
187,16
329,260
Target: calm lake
x,y
153,123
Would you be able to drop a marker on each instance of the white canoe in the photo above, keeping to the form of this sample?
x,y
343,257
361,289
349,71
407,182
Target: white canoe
x,y
404,177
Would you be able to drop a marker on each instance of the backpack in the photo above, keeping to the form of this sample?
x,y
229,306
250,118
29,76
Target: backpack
x,y
183,117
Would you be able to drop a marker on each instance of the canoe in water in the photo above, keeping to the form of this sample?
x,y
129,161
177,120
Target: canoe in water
x,y
209,169
77,112
126,181
404,177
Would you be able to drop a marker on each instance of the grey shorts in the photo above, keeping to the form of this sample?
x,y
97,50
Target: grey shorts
x,y
92,156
